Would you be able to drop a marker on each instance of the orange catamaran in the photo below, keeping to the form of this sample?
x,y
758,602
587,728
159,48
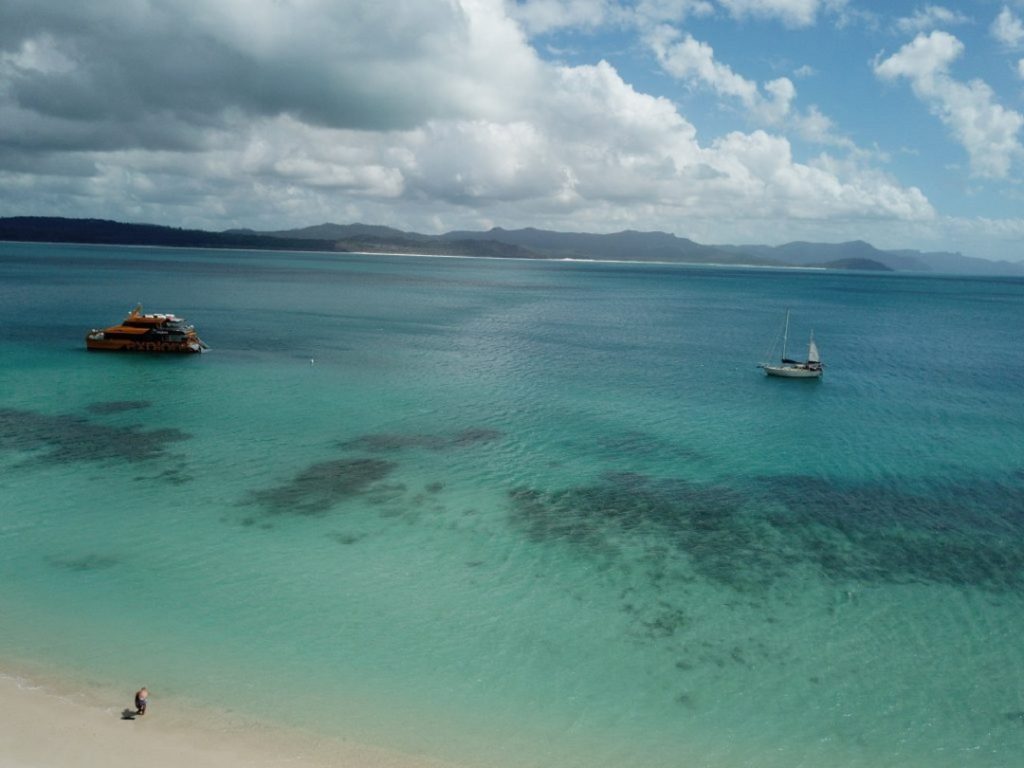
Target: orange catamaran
x,y
146,333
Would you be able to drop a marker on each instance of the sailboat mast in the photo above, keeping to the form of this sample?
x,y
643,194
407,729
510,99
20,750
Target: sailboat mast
x,y
785,336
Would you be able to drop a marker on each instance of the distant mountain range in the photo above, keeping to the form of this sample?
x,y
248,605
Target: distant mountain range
x,y
518,243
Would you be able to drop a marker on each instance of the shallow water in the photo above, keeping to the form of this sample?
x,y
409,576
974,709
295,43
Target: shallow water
x,y
526,514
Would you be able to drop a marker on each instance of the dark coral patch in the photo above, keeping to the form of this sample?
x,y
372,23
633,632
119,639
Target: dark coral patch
x,y
748,539
665,623
176,475
67,438
91,562
635,444
347,538
392,442
473,436
956,535
707,524
315,490
118,406
686,699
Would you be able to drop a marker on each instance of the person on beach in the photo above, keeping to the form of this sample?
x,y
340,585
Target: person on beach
x,y
141,699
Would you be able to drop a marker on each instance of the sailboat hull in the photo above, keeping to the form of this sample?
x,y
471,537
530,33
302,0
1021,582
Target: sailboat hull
x,y
792,371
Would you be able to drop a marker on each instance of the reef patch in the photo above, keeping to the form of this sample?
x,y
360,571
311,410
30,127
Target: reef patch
x,y
118,406
393,442
83,563
750,535
709,526
57,438
317,489
880,533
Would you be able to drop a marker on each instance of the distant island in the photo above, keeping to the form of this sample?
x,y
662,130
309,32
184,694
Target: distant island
x,y
526,243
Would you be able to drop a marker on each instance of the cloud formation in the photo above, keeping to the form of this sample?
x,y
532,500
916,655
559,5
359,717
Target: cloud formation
x,y
984,128
768,105
691,60
346,65
929,17
542,16
795,13
1008,28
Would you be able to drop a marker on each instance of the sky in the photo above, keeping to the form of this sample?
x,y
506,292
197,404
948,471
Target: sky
x,y
725,121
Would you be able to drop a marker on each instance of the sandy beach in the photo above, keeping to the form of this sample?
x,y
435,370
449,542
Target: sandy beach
x,y
43,725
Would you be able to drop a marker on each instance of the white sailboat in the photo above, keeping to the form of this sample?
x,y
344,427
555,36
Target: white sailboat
x,y
812,368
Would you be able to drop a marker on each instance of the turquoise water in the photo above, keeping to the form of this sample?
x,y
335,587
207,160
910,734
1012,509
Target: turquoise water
x,y
526,514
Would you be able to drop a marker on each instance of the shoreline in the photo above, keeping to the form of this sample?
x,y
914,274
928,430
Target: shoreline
x,y
425,255
48,722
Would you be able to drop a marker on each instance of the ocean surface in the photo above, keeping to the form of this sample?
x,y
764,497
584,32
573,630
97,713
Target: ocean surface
x,y
526,514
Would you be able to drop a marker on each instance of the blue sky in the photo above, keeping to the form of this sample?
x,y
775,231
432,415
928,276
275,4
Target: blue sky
x,y
726,121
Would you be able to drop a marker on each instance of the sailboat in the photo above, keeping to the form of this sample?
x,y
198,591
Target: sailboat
x,y
812,368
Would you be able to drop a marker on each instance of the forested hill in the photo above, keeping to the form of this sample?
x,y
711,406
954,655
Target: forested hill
x,y
97,231
59,230
526,243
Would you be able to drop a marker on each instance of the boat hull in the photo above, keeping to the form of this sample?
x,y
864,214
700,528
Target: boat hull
x,y
792,372
97,343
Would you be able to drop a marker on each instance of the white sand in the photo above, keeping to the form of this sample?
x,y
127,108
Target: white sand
x,y
44,726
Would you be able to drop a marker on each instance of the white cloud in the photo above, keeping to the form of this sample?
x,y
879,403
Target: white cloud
x,y
1020,68
761,175
693,61
845,15
984,128
481,162
817,128
922,59
658,11
1007,28
541,16
793,13
928,18
771,105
